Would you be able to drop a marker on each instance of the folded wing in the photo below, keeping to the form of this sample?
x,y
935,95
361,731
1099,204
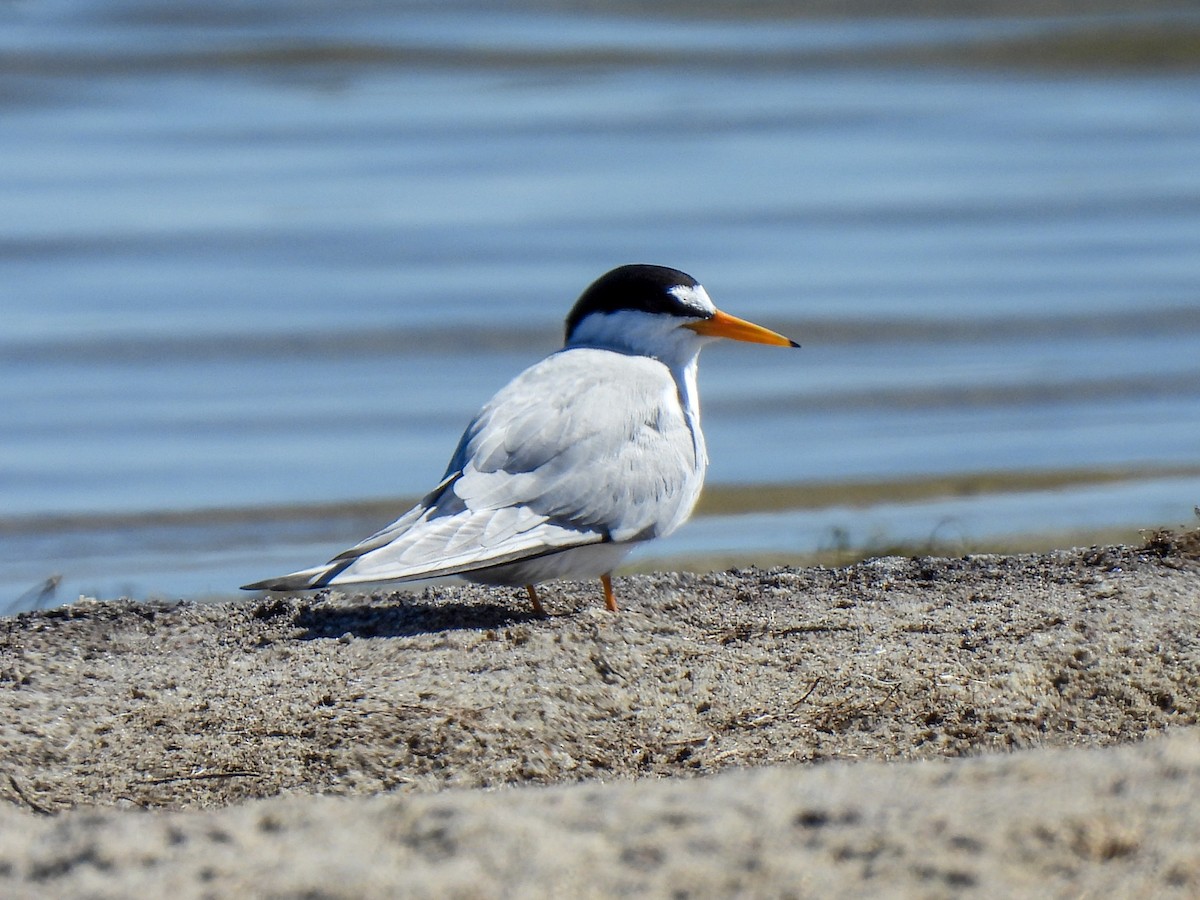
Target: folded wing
x,y
585,447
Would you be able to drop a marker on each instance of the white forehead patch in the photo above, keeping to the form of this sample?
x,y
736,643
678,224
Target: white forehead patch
x,y
694,296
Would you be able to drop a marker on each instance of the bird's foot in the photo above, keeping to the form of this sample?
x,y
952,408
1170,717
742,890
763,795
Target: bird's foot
x,y
610,599
538,609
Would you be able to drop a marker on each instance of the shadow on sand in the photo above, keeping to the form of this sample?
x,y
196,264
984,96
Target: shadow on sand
x,y
389,617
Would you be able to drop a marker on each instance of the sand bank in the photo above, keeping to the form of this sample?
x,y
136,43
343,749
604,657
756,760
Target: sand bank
x,y
907,726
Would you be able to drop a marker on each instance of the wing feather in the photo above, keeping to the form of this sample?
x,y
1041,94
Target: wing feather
x,y
591,438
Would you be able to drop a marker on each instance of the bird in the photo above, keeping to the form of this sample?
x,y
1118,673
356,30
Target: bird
x,y
576,461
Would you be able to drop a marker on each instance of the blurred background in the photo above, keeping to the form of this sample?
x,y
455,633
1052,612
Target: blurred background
x,y
260,263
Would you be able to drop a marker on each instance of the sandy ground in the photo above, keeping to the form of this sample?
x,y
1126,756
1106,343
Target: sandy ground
x,y
996,726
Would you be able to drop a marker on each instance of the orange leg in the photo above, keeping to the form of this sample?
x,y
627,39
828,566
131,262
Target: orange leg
x,y
538,609
610,599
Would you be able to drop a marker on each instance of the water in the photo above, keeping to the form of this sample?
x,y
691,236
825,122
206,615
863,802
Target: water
x,y
256,260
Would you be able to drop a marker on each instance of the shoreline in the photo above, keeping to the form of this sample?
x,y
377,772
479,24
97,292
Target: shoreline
x,y
203,553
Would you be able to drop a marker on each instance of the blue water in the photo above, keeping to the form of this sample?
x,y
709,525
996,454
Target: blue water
x,y
272,257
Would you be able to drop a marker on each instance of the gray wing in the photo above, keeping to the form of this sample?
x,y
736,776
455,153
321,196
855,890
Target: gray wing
x,y
590,438
586,446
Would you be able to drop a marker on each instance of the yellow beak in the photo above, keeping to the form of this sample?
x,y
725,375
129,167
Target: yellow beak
x,y
723,325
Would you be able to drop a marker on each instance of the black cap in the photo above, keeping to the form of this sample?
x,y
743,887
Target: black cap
x,y
639,287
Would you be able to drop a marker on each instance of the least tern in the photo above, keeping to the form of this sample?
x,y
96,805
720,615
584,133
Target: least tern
x,y
577,460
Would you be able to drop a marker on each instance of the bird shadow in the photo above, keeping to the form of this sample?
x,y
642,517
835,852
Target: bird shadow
x,y
367,620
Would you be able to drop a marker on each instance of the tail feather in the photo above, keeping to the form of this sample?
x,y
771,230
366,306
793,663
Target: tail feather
x,y
306,580
431,542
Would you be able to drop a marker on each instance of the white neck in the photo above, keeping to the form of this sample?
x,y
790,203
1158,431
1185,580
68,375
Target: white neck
x,y
689,398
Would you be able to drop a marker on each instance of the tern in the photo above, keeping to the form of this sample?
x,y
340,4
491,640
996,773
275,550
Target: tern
x,y
576,461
